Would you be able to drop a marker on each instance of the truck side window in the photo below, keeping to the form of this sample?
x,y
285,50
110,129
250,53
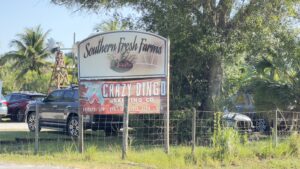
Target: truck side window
x,y
55,96
68,96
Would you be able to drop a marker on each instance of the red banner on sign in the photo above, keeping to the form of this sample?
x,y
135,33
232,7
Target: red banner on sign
x,y
146,96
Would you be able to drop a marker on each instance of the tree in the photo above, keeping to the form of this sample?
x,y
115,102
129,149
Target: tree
x,y
205,36
30,82
72,68
8,77
30,53
275,74
117,23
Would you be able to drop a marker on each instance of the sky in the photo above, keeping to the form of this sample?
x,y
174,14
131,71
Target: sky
x,y
16,15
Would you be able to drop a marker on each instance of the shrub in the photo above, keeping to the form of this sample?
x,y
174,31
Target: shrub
x,y
91,153
293,145
225,141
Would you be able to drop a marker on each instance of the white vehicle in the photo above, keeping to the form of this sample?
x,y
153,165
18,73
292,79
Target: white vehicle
x,y
240,122
3,107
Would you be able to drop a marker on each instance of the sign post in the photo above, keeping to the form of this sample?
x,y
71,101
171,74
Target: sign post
x,y
36,131
125,129
167,113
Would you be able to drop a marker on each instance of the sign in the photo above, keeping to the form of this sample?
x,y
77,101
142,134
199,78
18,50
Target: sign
x,y
123,54
108,63
146,96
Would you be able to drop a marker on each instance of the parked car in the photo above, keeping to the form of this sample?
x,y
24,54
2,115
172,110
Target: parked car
x,y
3,107
239,122
17,102
243,103
59,110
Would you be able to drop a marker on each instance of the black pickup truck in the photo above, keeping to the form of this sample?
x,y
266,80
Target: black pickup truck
x,y
59,110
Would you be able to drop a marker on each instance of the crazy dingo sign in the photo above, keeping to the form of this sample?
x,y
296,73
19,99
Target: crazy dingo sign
x,y
107,97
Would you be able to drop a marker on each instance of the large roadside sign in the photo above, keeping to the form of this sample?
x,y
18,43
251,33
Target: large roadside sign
x,y
123,63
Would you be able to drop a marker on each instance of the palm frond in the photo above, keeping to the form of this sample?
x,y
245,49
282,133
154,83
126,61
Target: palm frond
x,y
41,39
13,55
44,54
18,44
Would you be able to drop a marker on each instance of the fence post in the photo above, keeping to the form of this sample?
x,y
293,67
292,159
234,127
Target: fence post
x,y
194,131
81,131
36,132
167,113
275,128
125,128
167,131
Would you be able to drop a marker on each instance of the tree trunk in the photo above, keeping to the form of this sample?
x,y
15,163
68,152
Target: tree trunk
x,y
215,83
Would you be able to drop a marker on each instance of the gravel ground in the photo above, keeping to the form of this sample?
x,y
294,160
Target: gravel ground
x,y
13,126
7,125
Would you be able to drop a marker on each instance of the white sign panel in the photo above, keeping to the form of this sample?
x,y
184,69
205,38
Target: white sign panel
x,y
123,54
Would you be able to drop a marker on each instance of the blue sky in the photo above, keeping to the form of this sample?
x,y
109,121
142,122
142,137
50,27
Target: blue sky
x,y
16,15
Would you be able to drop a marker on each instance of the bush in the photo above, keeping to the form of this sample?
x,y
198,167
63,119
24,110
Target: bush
x,y
91,153
225,141
293,145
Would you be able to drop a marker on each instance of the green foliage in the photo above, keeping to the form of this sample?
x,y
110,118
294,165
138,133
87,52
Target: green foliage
x,y
72,68
217,128
190,159
69,149
8,77
30,53
34,82
286,148
260,154
117,23
213,45
268,66
181,120
274,76
26,67
294,145
29,82
225,141
91,153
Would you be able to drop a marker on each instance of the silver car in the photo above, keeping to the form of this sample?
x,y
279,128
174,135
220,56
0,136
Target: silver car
x,y
239,122
3,107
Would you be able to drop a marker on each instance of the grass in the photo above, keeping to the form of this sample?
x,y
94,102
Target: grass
x,y
51,141
180,157
102,152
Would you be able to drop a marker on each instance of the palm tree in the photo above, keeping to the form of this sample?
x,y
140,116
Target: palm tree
x,y
115,24
30,53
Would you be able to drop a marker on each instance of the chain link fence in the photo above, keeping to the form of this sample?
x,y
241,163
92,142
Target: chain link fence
x,y
147,131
